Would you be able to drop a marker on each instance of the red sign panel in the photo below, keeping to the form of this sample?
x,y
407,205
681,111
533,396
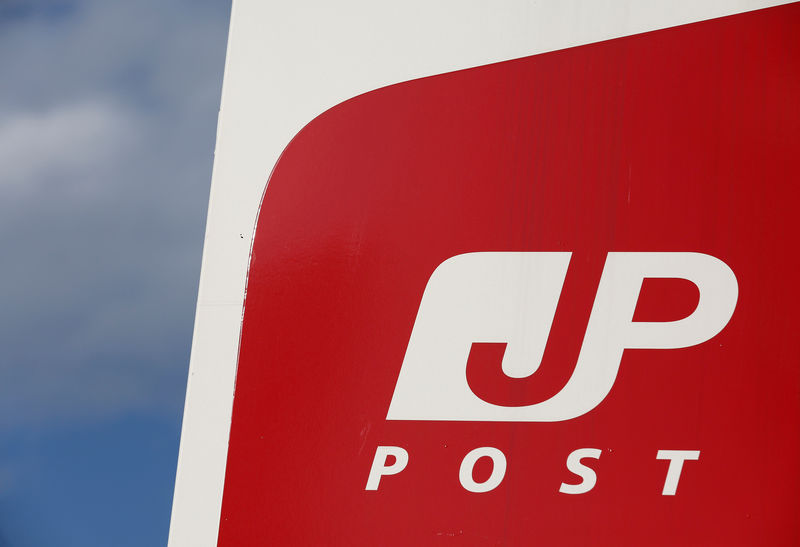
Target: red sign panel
x,y
545,301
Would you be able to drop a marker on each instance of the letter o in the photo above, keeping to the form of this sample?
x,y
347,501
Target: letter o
x,y
468,464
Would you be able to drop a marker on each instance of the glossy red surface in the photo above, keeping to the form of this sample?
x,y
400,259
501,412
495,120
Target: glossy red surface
x,y
684,139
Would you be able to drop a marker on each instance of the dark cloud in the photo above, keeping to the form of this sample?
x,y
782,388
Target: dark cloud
x,y
13,10
107,122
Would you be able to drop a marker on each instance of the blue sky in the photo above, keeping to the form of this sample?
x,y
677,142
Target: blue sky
x,y
107,125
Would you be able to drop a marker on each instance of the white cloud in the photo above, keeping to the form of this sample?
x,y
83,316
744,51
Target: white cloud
x,y
62,143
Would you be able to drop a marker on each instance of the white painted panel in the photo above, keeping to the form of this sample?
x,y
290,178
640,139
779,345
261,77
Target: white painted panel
x,y
288,62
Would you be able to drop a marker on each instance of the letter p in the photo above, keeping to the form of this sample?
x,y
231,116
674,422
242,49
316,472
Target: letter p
x,y
379,467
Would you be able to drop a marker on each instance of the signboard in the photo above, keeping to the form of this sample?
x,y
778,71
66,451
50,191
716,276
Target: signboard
x,y
548,299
